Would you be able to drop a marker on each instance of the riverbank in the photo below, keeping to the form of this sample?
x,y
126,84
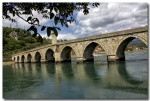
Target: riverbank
x,y
8,63
143,50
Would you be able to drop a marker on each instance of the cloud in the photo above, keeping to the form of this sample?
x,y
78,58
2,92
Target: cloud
x,y
62,36
66,36
110,17
21,23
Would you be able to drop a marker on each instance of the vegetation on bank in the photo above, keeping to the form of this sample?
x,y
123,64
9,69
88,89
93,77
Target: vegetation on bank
x,y
136,45
20,40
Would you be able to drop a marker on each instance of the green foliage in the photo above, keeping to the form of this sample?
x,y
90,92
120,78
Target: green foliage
x,y
24,41
58,13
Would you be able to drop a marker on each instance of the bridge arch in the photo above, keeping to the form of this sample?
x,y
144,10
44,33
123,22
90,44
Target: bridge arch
x,y
22,58
89,49
29,57
18,58
14,58
123,44
49,55
66,53
37,57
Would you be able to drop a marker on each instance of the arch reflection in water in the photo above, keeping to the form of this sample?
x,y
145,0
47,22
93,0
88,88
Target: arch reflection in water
x,y
23,77
125,75
76,81
50,67
67,70
90,71
38,66
117,77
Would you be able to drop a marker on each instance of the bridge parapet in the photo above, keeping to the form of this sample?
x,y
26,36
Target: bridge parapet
x,y
111,34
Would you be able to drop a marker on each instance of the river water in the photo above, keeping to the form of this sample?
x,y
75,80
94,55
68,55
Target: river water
x,y
98,80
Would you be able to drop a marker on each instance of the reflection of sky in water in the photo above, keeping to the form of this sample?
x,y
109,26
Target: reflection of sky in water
x,y
101,69
137,70
136,56
77,81
136,65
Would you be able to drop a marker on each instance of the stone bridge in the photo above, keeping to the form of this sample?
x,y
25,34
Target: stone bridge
x,y
113,44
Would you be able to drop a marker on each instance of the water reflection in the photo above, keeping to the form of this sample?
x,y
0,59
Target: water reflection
x,y
67,70
29,66
125,75
89,69
116,72
117,77
63,78
38,66
50,67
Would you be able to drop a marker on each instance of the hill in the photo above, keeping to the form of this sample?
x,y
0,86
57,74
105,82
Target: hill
x,y
17,40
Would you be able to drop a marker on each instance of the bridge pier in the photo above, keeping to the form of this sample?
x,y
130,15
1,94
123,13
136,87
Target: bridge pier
x,y
111,58
57,57
42,60
80,59
28,61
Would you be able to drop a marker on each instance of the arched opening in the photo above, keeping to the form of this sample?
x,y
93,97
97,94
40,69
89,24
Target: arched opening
x,y
22,58
131,44
29,58
93,50
17,58
37,57
49,56
68,54
14,59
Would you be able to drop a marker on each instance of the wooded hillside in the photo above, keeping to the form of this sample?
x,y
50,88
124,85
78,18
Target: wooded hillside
x,y
17,40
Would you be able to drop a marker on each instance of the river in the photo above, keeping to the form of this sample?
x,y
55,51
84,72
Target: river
x,y
98,80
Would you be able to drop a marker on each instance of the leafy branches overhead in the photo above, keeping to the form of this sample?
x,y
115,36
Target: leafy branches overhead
x,y
57,12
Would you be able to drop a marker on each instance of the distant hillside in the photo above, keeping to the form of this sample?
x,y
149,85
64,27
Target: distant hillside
x,y
17,40
137,42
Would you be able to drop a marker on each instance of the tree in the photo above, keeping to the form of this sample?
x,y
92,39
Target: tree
x,y
57,12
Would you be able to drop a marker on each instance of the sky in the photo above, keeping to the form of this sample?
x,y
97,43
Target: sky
x,y
108,17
